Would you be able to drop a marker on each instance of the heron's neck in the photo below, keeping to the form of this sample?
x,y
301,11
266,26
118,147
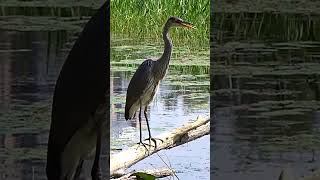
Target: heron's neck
x,y
167,45
163,61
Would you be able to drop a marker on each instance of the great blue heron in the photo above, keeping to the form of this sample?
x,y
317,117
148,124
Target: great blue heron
x,y
145,81
80,102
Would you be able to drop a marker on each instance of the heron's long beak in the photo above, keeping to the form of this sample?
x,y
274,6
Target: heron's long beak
x,y
188,25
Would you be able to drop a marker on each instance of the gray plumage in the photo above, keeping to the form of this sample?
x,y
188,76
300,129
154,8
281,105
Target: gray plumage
x,y
145,81
80,102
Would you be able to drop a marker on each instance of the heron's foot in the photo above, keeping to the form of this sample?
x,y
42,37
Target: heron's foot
x,y
154,141
96,174
144,145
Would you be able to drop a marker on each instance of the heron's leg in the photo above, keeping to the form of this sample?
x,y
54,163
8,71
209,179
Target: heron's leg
x,y
146,116
78,171
141,129
99,119
96,171
150,137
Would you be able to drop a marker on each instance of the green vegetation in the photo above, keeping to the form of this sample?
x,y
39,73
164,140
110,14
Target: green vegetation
x,y
46,16
52,3
145,19
29,23
26,118
126,53
144,176
265,26
275,6
16,154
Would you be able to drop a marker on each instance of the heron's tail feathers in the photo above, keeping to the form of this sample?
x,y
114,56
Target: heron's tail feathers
x,y
127,115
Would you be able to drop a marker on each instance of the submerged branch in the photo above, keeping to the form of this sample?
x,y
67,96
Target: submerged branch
x,y
158,173
176,137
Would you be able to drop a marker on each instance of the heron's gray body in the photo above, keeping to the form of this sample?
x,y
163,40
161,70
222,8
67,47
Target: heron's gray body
x,y
143,96
145,81
80,102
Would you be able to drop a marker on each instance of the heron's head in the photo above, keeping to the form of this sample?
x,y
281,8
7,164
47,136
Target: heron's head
x,y
178,22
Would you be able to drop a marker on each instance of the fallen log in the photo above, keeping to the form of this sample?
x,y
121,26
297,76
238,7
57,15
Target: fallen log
x,y
314,176
288,174
176,137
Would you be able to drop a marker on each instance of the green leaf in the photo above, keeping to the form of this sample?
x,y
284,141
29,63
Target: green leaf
x,y
144,176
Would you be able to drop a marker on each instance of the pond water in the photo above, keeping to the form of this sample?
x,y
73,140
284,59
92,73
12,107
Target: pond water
x,y
29,65
32,51
265,95
182,96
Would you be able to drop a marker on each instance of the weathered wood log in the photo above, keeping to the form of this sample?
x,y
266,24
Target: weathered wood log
x,y
176,137
288,174
158,173
314,176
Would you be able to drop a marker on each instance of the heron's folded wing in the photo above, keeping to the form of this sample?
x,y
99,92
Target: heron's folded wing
x,y
80,88
141,80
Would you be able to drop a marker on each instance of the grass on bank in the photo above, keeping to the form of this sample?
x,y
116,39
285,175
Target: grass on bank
x,y
145,19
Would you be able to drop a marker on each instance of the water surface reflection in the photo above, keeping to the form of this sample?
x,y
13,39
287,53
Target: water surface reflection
x,y
266,95
29,65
